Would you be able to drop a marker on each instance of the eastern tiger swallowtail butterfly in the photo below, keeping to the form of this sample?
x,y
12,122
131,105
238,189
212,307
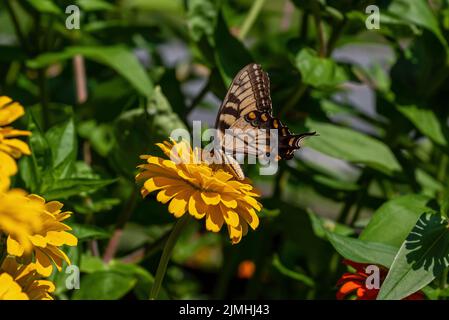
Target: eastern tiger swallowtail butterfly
x,y
246,108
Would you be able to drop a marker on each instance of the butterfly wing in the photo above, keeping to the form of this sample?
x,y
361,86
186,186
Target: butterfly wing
x,y
250,90
245,119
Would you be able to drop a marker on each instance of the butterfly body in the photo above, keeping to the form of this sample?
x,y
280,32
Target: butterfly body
x,y
245,122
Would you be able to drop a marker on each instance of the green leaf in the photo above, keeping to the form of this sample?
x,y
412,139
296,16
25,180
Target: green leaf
x,y
45,6
85,232
62,189
319,72
40,160
91,264
417,12
95,5
145,280
422,257
118,58
201,18
353,146
362,251
104,285
426,121
295,275
392,222
96,205
63,143
230,54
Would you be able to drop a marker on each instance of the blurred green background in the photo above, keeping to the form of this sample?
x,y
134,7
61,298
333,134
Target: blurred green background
x,y
99,96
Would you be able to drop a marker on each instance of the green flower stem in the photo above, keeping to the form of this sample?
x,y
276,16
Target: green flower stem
x,y
166,254
251,18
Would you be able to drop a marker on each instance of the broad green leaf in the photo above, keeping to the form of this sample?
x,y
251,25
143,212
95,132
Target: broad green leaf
x,y
65,188
295,275
85,232
426,121
63,143
430,185
201,18
319,72
45,6
31,168
230,54
171,7
118,58
104,285
95,5
392,222
96,205
352,146
422,257
144,279
417,12
91,264
362,251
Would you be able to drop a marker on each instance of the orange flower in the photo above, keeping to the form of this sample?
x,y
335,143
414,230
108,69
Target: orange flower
x,y
355,283
246,269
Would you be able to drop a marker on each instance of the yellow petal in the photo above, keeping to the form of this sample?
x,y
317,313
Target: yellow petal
x,y
21,146
53,206
14,248
11,112
197,208
5,182
228,201
214,219
211,198
253,202
11,132
8,165
178,205
38,240
231,217
250,216
43,263
35,197
222,175
150,186
235,234
10,290
59,238
167,194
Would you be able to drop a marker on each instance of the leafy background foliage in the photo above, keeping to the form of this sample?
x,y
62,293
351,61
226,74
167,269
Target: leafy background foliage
x,y
373,187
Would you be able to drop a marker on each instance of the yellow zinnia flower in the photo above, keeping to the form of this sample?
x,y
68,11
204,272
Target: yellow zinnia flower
x,y
47,240
10,148
20,218
23,282
9,289
189,184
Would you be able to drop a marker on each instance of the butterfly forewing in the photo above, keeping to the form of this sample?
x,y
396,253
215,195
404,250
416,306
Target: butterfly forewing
x,y
250,90
245,120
